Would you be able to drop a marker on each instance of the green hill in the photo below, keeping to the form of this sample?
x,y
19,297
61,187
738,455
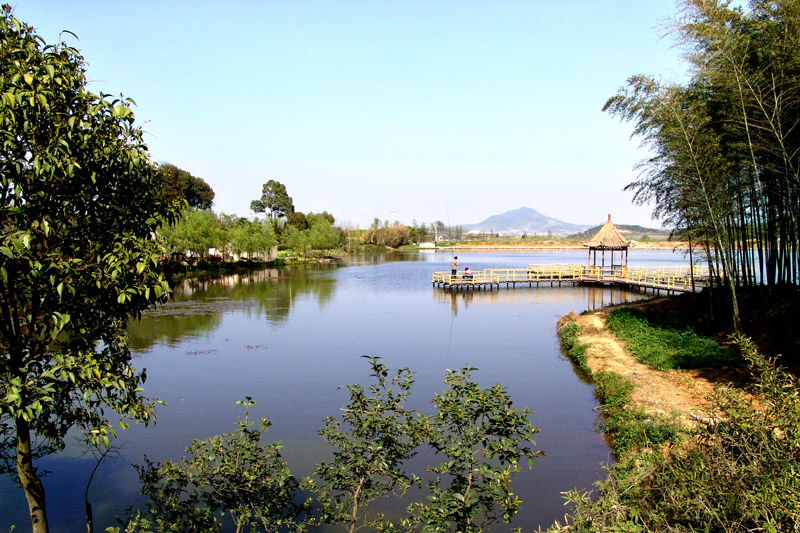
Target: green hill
x,y
637,233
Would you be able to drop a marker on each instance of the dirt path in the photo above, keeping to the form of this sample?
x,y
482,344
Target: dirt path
x,y
673,391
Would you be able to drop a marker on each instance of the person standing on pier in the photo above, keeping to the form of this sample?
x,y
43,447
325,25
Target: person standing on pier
x,y
454,265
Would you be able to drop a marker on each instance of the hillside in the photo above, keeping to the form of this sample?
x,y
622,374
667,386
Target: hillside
x,y
637,233
527,221
524,221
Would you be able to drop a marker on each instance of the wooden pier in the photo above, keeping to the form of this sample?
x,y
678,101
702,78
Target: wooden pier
x,y
669,279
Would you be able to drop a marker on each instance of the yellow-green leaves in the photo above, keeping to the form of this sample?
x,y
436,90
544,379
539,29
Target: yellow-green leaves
x,y
121,111
81,204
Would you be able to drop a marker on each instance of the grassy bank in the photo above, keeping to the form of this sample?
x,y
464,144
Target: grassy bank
x,y
736,470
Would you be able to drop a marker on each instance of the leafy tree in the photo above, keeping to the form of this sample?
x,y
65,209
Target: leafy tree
x,y
374,437
725,170
298,220
80,203
312,217
397,235
196,232
180,185
439,228
230,474
274,200
688,176
294,239
482,438
322,235
477,430
250,237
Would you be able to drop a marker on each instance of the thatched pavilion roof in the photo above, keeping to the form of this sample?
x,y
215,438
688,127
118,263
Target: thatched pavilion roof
x,y
608,238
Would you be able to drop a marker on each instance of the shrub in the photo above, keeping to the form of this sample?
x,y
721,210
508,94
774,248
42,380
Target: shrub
x,y
480,437
613,390
739,474
568,334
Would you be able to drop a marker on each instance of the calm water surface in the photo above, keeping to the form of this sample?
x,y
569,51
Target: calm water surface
x,y
290,338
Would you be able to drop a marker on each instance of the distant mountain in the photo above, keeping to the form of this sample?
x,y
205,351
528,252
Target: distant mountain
x,y
524,221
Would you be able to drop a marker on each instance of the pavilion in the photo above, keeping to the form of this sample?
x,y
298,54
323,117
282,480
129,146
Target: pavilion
x,y
609,239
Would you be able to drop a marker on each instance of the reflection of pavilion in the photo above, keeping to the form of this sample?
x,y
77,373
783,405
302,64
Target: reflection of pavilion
x,y
593,297
608,239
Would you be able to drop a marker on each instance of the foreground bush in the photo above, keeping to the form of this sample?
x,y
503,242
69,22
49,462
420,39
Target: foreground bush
x,y
478,435
738,473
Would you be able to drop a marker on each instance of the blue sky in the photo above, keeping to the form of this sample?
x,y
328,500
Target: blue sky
x,y
401,110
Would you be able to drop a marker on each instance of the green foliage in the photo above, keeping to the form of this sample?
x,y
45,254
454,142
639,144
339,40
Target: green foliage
x,y
231,474
374,437
250,237
294,239
397,235
180,185
613,390
633,429
568,334
482,438
196,232
322,235
722,168
738,474
274,200
199,231
630,428
385,234
663,341
298,220
313,217
80,202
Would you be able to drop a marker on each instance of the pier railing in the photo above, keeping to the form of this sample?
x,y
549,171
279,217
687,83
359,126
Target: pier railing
x,y
670,278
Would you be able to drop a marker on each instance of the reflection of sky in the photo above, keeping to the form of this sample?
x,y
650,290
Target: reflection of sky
x,y
294,368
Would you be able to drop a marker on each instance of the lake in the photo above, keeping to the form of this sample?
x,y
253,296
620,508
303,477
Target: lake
x,y
291,337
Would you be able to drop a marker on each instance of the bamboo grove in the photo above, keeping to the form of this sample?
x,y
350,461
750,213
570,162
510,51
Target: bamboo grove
x,y
724,169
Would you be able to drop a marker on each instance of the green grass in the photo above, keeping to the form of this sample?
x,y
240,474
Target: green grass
x,y
739,474
630,428
663,341
568,334
613,390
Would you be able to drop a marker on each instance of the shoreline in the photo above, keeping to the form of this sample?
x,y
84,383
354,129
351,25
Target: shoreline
x,y
683,392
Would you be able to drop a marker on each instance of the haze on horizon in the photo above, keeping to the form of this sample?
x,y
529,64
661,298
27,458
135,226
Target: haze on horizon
x,y
411,111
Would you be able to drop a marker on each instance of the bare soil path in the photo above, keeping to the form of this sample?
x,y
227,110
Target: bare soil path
x,y
678,392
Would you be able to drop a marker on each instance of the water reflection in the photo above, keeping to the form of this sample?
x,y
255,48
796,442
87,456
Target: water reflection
x,y
595,297
197,305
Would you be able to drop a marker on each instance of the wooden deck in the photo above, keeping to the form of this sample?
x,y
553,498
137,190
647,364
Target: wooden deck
x,y
668,279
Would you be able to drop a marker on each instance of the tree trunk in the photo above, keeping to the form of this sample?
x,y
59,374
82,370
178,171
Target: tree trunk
x,y
31,484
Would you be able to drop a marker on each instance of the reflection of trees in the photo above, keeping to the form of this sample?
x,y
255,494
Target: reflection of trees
x,y
171,323
198,304
379,259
